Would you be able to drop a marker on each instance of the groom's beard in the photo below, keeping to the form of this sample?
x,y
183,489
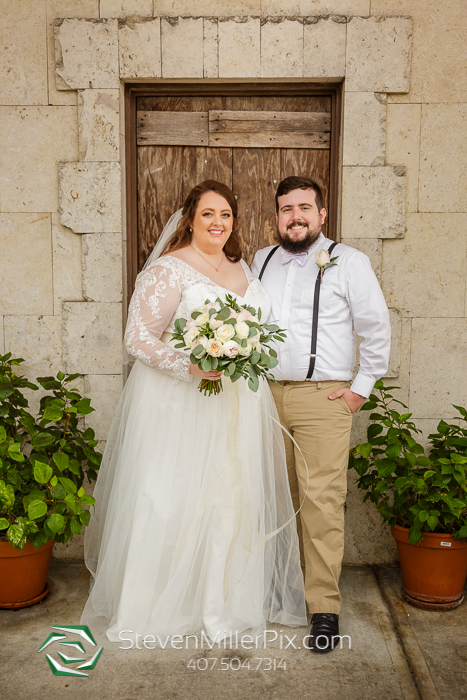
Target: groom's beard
x,y
301,245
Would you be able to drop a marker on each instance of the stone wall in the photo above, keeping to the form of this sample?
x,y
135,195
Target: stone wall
x,y
403,175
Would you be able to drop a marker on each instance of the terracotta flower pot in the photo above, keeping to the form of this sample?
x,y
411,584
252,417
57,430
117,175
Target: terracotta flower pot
x,y
433,572
23,574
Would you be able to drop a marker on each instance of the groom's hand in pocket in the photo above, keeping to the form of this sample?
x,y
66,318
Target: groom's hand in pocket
x,y
354,401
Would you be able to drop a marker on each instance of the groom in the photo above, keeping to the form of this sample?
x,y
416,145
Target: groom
x,y
315,398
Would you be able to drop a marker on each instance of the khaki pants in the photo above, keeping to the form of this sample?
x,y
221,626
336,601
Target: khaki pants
x,y
321,428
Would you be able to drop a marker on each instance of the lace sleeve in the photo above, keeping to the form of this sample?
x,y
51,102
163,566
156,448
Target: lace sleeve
x,y
155,299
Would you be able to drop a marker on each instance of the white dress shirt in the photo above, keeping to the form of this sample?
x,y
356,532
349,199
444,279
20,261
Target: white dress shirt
x,y
350,300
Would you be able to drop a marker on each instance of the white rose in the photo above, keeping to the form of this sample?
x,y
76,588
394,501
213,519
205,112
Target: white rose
x,y
322,257
202,340
257,347
242,330
231,348
214,347
202,319
233,314
214,324
225,332
245,352
189,324
254,340
244,316
190,337
214,305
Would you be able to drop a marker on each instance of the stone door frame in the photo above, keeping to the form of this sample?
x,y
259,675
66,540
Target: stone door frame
x,y
97,57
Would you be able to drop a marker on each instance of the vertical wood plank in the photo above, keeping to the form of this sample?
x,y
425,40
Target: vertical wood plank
x,y
310,163
160,184
206,164
256,174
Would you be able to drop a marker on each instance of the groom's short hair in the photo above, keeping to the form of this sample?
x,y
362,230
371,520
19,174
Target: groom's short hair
x,y
295,182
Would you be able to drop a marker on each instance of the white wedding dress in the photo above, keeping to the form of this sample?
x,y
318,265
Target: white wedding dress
x,y
191,488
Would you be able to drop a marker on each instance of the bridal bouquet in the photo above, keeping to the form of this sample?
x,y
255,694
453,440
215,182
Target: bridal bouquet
x,y
224,336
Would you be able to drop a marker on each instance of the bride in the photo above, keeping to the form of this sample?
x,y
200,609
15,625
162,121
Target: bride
x,y
194,529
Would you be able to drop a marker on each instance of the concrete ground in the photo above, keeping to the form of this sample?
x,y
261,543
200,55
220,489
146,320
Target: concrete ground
x,y
395,652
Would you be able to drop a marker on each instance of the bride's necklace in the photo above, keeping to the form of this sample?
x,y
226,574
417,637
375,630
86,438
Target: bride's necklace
x,y
206,260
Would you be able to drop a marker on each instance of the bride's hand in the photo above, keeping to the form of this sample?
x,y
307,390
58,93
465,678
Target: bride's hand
x,y
197,372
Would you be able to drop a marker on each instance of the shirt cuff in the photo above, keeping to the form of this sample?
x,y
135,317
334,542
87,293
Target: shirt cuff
x,y
362,385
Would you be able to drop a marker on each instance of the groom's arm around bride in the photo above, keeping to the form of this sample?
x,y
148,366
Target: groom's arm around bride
x,y
320,307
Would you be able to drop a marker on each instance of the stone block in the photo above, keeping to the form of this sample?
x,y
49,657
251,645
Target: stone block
x,y
378,54
86,53
34,141
370,246
23,53
126,8
396,332
439,48
304,8
402,381
102,267
98,125
139,46
240,48
364,128
210,48
324,47
282,49
182,47
26,264
92,337
38,340
443,154
67,265
424,274
438,376
2,337
90,197
57,9
207,8
367,538
373,202
403,145
104,391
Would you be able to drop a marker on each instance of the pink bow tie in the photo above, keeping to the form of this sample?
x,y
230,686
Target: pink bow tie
x,y
287,257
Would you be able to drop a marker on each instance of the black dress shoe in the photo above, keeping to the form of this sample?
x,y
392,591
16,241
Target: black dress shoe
x,y
324,633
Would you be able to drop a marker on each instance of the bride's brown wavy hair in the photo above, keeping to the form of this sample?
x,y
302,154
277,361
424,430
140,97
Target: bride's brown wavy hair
x,y
182,236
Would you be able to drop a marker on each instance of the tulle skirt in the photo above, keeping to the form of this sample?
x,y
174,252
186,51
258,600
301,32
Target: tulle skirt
x,y
193,529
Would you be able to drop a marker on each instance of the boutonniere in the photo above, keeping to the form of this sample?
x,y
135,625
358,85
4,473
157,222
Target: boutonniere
x,y
324,261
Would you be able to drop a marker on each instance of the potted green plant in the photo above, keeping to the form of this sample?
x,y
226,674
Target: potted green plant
x,y
43,462
424,499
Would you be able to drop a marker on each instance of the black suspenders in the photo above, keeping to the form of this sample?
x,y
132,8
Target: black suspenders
x,y
314,330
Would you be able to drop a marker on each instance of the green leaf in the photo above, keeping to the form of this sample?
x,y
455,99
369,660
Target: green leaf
x,y
197,350
72,503
52,414
84,407
16,535
75,526
7,495
36,509
42,440
88,500
61,460
68,484
6,390
206,363
59,491
56,522
393,451
42,472
374,430
415,535
13,477
4,523
364,449
423,515
432,522
85,517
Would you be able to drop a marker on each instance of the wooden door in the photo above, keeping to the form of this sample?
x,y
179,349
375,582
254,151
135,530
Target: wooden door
x,y
250,142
